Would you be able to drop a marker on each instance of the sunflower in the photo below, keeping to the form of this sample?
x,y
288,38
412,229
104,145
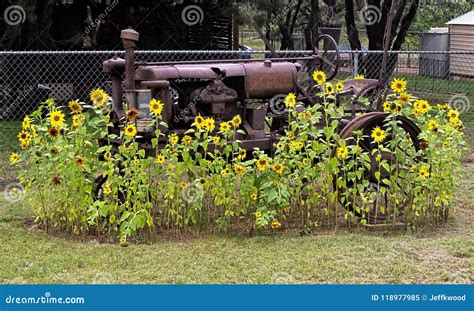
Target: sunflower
x,y
262,164
329,88
387,107
242,154
342,152
239,169
433,125
378,134
130,130
226,171
454,121
173,139
156,107
290,100
53,150
132,114
339,86
399,85
79,161
182,184
160,159
75,106
276,225
53,132
258,214
307,115
56,118
319,76
24,137
453,114
224,127
99,97
216,140
254,197
14,158
106,189
404,98
359,77
421,107
278,168
236,121
26,124
295,145
423,172
199,122
209,124
78,119
187,140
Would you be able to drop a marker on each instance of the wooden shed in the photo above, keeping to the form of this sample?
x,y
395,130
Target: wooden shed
x,y
461,38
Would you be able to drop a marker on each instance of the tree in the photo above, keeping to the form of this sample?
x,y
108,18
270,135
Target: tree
x,y
375,14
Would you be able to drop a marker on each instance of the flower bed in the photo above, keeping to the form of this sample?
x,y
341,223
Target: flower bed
x,y
315,178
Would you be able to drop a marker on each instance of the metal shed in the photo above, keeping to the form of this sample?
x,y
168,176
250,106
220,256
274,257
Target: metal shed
x,y
461,33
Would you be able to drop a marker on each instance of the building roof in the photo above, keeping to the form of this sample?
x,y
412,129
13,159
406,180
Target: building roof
x,y
465,19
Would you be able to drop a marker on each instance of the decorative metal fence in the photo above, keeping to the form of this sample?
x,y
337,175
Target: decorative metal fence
x,y
27,78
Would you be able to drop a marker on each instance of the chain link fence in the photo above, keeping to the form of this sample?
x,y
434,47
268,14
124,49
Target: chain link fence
x,y
28,78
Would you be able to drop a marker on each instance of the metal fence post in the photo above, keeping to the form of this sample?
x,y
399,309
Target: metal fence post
x,y
355,67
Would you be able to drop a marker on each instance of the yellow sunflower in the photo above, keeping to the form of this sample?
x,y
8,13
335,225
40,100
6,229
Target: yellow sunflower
x,y
421,107
24,137
262,164
187,140
174,139
224,127
78,119
56,118
329,88
199,122
378,134
26,124
75,106
399,85
216,140
236,121
156,107
342,152
453,114
433,125
404,98
423,172
99,97
239,169
359,77
339,86
14,157
258,214
160,159
79,161
242,154
209,124
130,130
278,168
276,225
290,100
319,76
387,107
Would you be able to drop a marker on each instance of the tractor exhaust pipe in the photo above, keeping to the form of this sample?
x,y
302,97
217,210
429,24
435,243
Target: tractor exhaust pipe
x,y
129,39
